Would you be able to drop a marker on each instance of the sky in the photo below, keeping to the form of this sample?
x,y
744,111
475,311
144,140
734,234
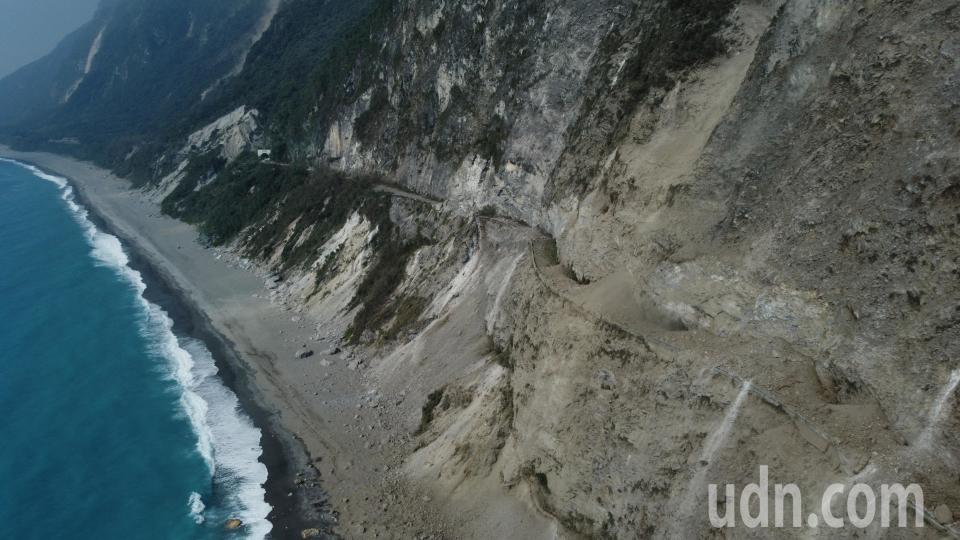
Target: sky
x,y
29,29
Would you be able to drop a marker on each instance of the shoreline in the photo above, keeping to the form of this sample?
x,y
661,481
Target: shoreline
x,y
346,475
283,453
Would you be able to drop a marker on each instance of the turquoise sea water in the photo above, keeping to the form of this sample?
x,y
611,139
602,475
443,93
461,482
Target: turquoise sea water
x,y
111,426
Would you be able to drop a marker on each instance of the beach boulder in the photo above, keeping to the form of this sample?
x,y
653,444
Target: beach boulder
x,y
304,353
943,514
233,524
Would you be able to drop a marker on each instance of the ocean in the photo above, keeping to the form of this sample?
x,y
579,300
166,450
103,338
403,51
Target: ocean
x,y
113,426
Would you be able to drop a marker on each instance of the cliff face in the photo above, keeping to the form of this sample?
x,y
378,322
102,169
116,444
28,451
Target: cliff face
x,y
611,251
781,213
511,104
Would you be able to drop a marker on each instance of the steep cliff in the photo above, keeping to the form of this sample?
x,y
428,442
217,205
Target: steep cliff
x,y
753,191
607,252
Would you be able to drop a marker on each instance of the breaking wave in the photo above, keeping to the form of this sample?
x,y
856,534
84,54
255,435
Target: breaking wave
x,y
227,440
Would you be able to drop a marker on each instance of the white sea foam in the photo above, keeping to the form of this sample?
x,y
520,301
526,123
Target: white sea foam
x,y
227,440
236,443
58,180
196,507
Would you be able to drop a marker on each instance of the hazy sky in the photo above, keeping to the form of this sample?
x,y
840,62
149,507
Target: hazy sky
x,y
30,29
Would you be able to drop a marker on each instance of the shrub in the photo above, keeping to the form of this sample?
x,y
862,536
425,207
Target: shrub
x,y
375,293
492,141
366,123
408,310
273,197
200,167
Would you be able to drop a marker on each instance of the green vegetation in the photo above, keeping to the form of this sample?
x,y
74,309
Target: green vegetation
x,y
167,55
365,124
328,263
271,204
493,140
201,167
320,43
426,412
689,35
500,356
240,196
666,42
568,271
143,90
276,198
408,310
696,25
375,294
551,252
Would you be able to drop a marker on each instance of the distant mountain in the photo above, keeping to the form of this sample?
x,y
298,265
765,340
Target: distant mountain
x,y
141,73
136,67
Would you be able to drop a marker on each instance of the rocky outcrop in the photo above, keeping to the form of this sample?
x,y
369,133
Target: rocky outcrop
x,y
230,134
226,138
781,214
475,102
